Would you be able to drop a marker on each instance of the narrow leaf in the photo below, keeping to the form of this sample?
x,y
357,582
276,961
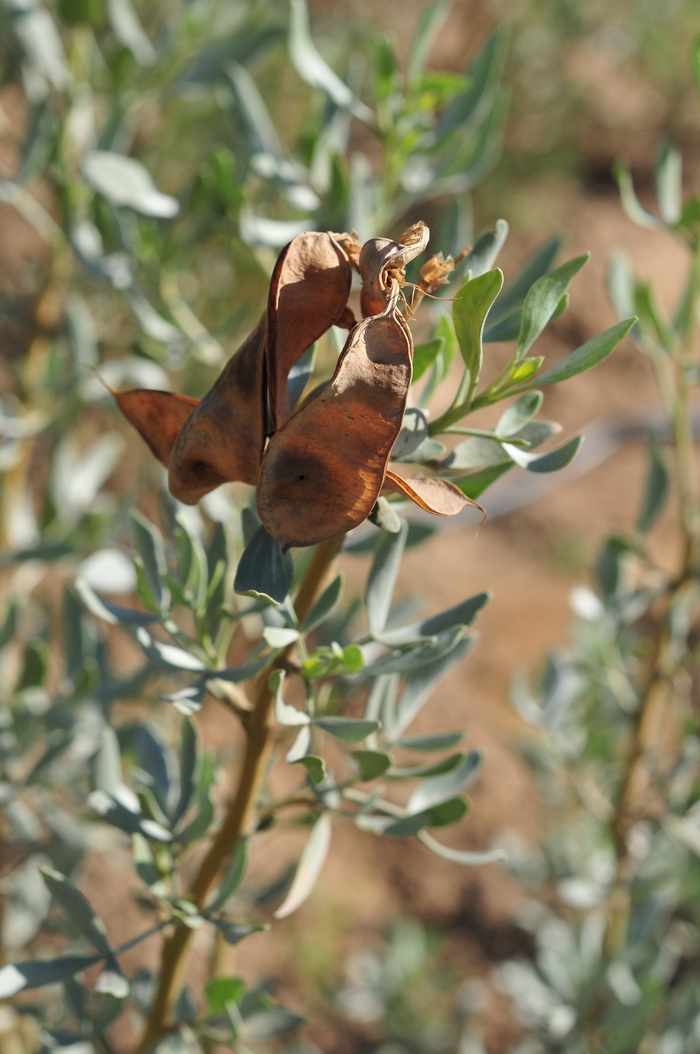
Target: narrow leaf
x,y
233,877
435,789
550,462
314,69
382,578
310,867
543,300
461,856
656,488
77,908
350,730
519,414
21,976
124,181
432,741
444,814
669,186
324,605
590,354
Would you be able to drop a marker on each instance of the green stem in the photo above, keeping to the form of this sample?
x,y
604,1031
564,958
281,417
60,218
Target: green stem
x,y
240,815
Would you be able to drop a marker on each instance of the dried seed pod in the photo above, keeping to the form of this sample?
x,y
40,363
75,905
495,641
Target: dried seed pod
x,y
223,438
381,259
438,496
309,292
323,471
157,416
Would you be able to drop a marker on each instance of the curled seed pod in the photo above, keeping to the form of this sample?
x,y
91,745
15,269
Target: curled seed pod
x,y
381,258
323,471
438,496
223,438
309,292
157,416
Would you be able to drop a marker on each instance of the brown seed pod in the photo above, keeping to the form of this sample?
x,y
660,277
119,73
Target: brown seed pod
x,y
323,471
438,496
157,416
309,292
223,438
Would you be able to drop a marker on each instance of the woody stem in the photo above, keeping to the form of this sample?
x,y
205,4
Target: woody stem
x,y
239,818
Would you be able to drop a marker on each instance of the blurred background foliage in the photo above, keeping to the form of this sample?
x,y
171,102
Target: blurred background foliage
x,y
238,152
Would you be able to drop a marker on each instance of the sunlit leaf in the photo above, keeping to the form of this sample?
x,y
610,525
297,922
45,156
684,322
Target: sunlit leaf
x,y
590,354
309,868
543,299
125,181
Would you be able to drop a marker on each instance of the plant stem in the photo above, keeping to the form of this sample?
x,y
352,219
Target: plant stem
x,y
239,817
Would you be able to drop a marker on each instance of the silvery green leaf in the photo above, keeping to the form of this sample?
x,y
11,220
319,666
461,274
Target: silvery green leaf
x,y
284,712
414,431
537,265
21,976
324,605
121,813
78,909
432,741
114,614
461,856
129,31
434,768
167,654
469,310
462,614
260,230
107,773
475,453
78,475
349,729
280,636
382,578
549,462
543,300
424,355
112,982
315,767
630,202
591,353
41,41
371,764
233,933
417,657
309,868
313,69
187,701
442,814
301,746
668,175
434,789
485,252
429,23
126,182
151,549
264,570
420,686
656,487
519,414
232,878
108,570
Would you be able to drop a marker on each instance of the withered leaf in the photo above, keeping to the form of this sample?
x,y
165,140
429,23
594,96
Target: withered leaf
x,y
309,292
223,438
157,416
323,471
438,496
